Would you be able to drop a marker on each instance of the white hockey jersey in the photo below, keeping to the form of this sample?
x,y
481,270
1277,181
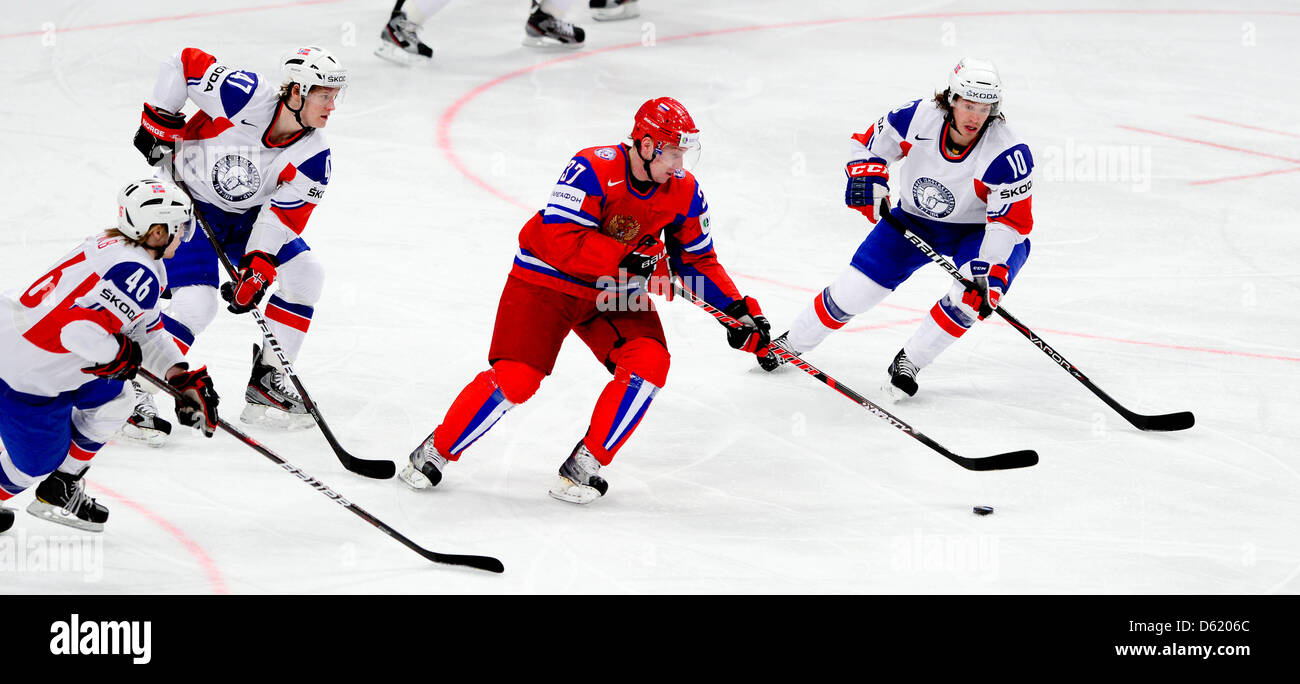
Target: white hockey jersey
x,y
989,185
64,321
227,158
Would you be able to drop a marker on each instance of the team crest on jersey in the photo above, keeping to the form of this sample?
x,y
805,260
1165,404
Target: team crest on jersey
x,y
606,153
235,178
932,197
622,228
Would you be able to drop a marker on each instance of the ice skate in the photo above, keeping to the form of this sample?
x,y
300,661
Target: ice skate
x,y
145,426
613,10
271,398
579,481
771,361
425,468
400,42
902,378
61,498
546,31
6,518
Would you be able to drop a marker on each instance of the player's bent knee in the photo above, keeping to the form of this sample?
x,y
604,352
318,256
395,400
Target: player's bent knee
x,y
302,279
102,422
194,306
518,381
644,357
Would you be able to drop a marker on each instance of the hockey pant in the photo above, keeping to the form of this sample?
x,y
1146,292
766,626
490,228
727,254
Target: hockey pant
x,y
532,322
40,434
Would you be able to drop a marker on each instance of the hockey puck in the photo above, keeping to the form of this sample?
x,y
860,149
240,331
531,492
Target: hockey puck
x,y
983,510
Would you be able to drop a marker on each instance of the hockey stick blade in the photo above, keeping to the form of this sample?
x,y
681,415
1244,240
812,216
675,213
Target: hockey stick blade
x,y
1007,461
477,562
1168,422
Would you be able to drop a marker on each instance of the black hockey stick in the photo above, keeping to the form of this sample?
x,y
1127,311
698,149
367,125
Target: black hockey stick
x,y
1166,422
480,562
1006,461
380,469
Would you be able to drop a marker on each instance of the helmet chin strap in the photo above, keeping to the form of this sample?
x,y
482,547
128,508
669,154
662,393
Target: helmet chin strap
x,y
297,113
646,162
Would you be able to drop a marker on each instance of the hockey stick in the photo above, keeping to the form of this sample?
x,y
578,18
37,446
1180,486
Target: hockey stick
x,y
480,562
1006,461
380,470
1166,422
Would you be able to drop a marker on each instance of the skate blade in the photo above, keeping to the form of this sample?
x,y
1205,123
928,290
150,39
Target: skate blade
x,y
395,54
144,436
544,43
894,394
615,14
257,414
414,478
56,514
567,490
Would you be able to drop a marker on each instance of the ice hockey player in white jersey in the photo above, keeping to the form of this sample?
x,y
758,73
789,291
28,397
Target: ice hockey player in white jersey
x,y
256,162
965,188
72,336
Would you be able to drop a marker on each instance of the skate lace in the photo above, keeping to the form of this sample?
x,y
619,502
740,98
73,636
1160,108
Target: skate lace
x,y
553,25
144,403
76,498
587,463
285,388
904,366
405,28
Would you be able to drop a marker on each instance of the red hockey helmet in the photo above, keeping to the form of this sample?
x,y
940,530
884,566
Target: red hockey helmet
x,y
667,122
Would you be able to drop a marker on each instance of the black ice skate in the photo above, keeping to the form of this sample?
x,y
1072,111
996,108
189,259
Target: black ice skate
x,y
6,518
145,426
544,30
613,10
272,399
400,42
425,468
61,498
579,481
902,377
771,361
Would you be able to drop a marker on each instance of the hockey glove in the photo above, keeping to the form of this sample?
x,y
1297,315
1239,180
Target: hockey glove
x,y
756,332
256,273
988,282
197,405
641,262
159,130
868,185
120,367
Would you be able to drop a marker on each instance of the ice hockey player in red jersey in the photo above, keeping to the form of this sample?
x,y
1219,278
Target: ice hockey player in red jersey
x,y
583,266
71,338
966,189
257,163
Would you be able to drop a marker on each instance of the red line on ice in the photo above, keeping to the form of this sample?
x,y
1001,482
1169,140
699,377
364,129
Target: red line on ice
x,y
1208,143
178,17
1238,124
449,115
205,561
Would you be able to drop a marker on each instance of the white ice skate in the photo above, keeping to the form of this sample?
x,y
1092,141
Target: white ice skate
x,y
144,426
613,10
400,42
579,481
272,400
61,498
425,469
546,31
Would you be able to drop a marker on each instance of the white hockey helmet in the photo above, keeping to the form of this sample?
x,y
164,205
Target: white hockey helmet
x,y
976,80
147,201
310,67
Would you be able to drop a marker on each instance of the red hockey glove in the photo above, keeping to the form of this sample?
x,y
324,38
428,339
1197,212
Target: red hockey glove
x,y
641,262
158,133
256,273
989,281
197,405
756,332
120,367
868,185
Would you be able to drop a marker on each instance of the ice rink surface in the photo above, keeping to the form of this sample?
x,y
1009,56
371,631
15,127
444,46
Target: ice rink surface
x,y
1163,266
